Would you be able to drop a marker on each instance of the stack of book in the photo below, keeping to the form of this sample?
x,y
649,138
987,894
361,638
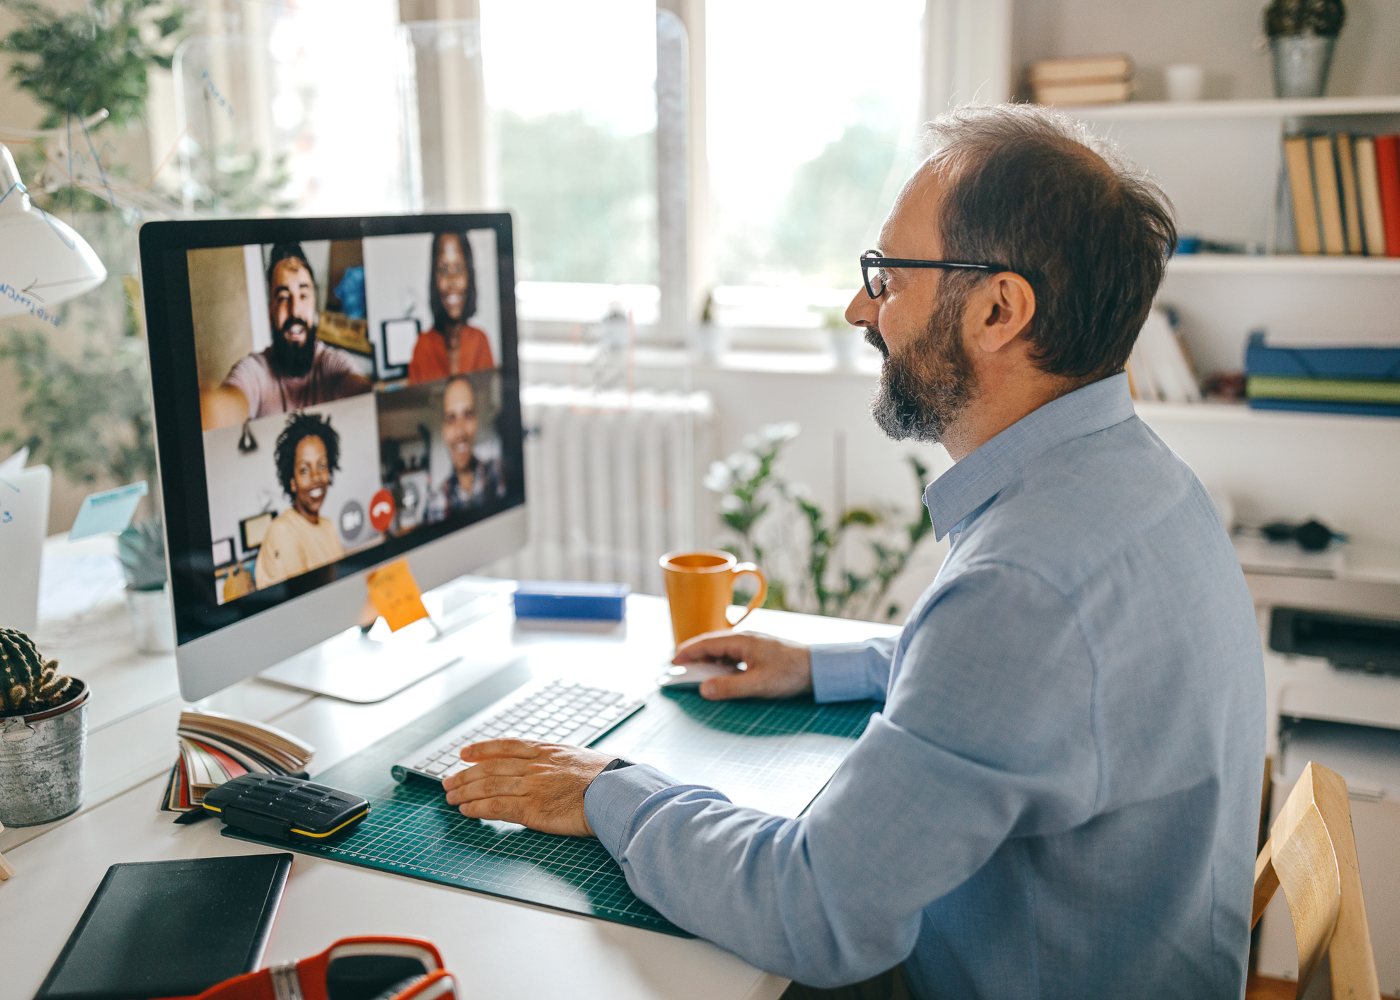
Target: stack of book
x,y
1361,379
1344,193
215,748
1081,80
1159,369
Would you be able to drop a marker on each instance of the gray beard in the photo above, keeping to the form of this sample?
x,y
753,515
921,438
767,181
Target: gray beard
x,y
925,389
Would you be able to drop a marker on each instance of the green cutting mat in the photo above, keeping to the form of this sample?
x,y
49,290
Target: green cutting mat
x,y
771,755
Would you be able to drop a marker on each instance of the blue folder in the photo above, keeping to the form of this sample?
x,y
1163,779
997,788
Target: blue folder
x,y
1321,362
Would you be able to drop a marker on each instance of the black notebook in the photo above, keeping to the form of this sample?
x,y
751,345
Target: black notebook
x,y
170,928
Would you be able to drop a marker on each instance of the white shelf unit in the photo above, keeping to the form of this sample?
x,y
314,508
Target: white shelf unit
x,y
1313,107
1220,163
1284,265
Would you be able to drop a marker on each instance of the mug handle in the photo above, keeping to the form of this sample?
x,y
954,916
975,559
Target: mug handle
x,y
747,569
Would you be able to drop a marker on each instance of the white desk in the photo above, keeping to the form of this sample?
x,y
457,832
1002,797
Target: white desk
x,y
497,948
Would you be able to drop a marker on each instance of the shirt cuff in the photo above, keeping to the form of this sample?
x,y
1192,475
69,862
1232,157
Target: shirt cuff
x,y
839,672
614,797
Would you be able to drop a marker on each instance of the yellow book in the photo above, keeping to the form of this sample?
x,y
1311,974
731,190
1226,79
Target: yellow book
x,y
1368,189
1329,194
1300,187
1351,202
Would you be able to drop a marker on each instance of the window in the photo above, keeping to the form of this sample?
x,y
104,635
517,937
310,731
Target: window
x,y
811,118
549,108
298,109
810,139
570,93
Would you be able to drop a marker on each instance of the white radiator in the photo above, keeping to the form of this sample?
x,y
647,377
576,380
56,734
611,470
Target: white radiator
x,y
612,481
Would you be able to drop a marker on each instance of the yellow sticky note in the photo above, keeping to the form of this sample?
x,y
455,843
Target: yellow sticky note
x,y
395,595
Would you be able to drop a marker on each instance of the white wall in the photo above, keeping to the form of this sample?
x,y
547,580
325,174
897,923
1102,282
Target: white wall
x,y
1220,35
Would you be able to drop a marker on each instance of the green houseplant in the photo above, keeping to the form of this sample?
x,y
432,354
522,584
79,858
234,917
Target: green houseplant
x,y
43,725
759,508
1302,34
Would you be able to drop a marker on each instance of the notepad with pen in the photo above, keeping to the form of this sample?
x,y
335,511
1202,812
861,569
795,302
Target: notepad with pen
x,y
170,928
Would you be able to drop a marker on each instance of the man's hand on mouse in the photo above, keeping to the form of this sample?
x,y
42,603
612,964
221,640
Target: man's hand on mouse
x,y
539,785
775,669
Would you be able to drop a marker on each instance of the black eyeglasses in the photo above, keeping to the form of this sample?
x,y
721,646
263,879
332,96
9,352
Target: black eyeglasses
x,y
875,284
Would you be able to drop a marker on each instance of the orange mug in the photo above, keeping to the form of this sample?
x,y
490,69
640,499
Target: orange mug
x,y
700,588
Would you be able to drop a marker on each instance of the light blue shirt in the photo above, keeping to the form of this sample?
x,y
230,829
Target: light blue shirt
x,y
1061,795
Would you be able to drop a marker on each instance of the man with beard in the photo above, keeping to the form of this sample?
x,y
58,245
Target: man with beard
x,y
296,370
1060,796
300,539
473,480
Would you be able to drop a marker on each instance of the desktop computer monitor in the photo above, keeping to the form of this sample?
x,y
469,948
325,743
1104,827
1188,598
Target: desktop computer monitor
x,y
330,395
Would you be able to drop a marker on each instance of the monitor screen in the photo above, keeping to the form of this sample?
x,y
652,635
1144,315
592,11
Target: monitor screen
x,y
331,393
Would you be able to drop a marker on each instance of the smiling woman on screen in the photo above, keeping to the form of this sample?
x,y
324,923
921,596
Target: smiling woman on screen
x,y
452,346
299,538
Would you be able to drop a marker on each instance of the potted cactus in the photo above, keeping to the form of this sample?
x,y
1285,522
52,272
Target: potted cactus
x,y
141,549
1302,34
43,729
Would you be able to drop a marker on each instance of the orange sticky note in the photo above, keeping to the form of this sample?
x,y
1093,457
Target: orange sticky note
x,y
395,595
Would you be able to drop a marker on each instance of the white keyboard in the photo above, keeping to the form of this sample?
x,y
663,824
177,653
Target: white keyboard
x,y
558,712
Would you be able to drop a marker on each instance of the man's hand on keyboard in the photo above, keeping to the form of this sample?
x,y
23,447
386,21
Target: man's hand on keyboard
x,y
775,669
539,785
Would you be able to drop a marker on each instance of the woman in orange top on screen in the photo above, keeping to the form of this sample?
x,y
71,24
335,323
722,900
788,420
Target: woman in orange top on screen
x,y
452,346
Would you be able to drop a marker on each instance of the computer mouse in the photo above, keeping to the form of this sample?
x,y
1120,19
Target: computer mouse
x,y
692,675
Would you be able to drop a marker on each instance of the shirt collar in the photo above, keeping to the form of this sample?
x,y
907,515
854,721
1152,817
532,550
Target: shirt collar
x,y
975,480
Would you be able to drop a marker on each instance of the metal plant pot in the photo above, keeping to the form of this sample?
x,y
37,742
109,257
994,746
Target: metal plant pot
x,y
1301,64
41,762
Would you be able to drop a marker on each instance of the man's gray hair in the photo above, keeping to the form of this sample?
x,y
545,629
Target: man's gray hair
x,y
1034,190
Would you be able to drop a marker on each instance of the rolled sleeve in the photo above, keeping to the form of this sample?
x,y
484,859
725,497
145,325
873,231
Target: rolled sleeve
x,y
852,671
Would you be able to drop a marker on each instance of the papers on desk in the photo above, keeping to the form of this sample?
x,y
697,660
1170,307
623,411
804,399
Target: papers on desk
x,y
108,512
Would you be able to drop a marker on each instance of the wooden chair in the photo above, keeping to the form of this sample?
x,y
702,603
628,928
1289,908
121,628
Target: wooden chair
x,y
1311,853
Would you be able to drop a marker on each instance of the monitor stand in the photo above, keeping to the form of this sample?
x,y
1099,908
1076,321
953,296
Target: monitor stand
x,y
369,666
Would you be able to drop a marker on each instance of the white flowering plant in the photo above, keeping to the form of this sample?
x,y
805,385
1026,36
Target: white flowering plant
x,y
757,505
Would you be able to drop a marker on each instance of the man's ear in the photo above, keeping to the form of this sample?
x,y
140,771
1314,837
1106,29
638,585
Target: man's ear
x,y
1004,307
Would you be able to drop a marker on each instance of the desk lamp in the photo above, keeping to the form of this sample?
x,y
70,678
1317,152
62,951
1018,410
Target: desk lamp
x,y
42,260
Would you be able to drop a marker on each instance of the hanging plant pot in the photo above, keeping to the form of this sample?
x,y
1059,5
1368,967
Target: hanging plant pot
x,y
41,762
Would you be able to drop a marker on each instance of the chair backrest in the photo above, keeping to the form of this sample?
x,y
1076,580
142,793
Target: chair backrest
x,y
1311,853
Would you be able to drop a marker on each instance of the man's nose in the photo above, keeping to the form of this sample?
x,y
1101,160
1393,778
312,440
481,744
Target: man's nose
x,y
862,310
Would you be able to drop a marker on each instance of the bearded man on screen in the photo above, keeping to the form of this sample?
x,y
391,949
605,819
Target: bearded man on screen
x,y
296,370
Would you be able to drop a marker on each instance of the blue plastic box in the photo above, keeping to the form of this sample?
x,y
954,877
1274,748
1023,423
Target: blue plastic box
x,y
568,599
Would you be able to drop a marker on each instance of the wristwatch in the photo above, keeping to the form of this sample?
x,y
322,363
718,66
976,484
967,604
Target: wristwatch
x,y
615,764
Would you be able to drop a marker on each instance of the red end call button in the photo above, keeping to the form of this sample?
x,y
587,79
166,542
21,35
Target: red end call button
x,y
381,510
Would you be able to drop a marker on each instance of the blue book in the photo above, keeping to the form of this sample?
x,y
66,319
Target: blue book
x,y
571,599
